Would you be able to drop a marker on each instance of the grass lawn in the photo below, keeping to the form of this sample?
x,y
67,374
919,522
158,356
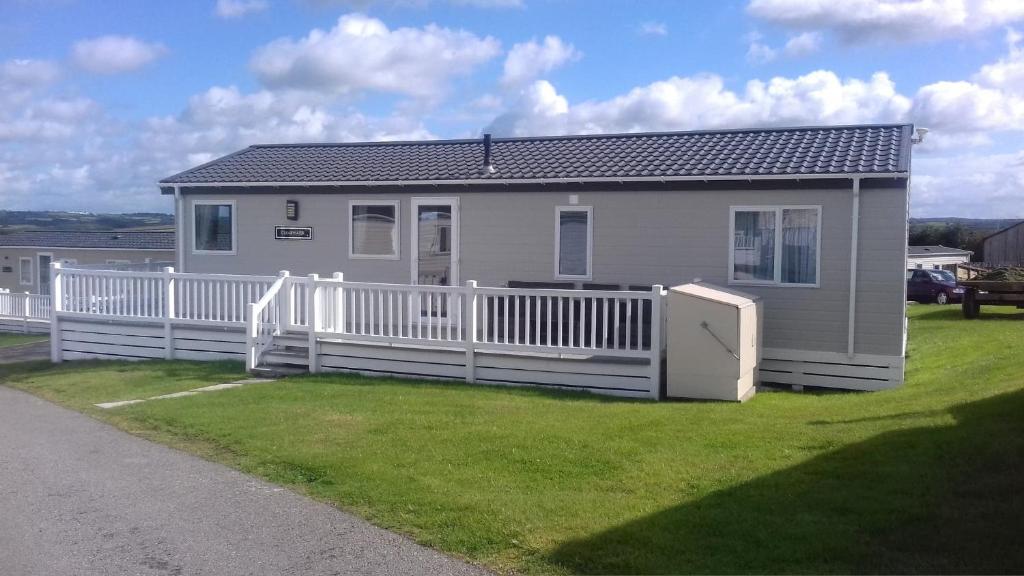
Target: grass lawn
x,y
7,339
926,478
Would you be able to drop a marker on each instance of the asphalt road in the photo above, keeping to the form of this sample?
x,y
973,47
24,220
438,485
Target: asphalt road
x,y
80,497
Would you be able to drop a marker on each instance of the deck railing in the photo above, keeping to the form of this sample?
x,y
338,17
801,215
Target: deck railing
x,y
470,319
604,323
264,322
215,299
24,308
389,312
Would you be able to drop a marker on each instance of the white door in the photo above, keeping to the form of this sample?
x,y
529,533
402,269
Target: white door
x,y
43,260
435,241
435,252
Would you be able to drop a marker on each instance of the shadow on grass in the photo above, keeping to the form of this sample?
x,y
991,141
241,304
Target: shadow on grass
x,y
987,313
922,500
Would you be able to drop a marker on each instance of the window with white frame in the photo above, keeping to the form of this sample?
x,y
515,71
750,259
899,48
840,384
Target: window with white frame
x,y
374,229
25,270
214,227
775,245
574,242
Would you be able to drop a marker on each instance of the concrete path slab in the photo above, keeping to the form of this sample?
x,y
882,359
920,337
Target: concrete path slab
x,y
192,392
80,497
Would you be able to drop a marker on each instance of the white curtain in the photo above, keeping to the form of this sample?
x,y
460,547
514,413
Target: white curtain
x,y
754,246
374,232
800,246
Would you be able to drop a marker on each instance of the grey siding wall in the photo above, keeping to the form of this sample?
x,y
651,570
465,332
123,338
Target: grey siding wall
x,y
10,257
1006,248
639,238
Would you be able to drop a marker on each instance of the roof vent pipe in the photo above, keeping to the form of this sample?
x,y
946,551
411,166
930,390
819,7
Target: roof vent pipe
x,y
488,167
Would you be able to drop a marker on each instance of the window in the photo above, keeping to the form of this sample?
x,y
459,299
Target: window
x,y
573,242
775,245
25,271
214,227
374,229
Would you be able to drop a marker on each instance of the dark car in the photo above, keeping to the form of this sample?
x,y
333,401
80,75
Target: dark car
x,y
933,286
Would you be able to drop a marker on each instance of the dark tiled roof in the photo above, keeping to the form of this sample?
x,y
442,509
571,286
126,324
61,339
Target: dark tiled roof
x,y
936,251
874,149
76,239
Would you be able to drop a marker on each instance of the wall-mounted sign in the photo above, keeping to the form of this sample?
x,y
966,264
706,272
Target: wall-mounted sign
x,y
293,232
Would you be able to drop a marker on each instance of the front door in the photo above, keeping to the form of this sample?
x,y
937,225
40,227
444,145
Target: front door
x,y
44,272
435,252
435,241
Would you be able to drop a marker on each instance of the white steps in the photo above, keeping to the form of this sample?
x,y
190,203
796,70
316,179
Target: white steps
x,y
288,355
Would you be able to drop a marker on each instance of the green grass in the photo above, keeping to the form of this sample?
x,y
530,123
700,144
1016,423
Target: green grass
x,y
80,385
7,340
925,478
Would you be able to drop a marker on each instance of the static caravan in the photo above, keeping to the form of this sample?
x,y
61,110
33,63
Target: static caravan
x,y
813,220
25,255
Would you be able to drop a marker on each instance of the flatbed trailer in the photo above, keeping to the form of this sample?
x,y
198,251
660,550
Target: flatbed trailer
x,y
992,293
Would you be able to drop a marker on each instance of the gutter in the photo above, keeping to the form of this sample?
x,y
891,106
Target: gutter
x,y
852,321
508,181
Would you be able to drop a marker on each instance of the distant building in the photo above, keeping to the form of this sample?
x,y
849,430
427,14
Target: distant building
x,y
936,257
25,256
1005,247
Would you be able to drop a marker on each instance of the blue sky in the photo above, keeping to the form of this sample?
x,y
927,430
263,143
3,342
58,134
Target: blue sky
x,y
98,100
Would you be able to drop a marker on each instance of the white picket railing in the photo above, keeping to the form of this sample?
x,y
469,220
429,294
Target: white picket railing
x,y
221,299
113,293
612,323
264,322
393,313
24,308
565,324
606,323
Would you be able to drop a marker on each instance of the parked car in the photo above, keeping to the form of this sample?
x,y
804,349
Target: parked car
x,y
937,286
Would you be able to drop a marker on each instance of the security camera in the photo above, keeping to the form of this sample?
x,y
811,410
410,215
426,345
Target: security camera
x,y
920,135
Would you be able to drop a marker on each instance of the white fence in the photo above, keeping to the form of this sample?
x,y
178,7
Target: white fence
x,y
608,341
24,312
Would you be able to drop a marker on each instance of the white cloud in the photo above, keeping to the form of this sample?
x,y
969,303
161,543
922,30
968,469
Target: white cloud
x,y
758,52
28,73
360,53
21,79
803,44
229,9
224,119
1008,72
115,54
487,102
992,100
858,21
972,186
387,4
529,60
703,101
653,29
